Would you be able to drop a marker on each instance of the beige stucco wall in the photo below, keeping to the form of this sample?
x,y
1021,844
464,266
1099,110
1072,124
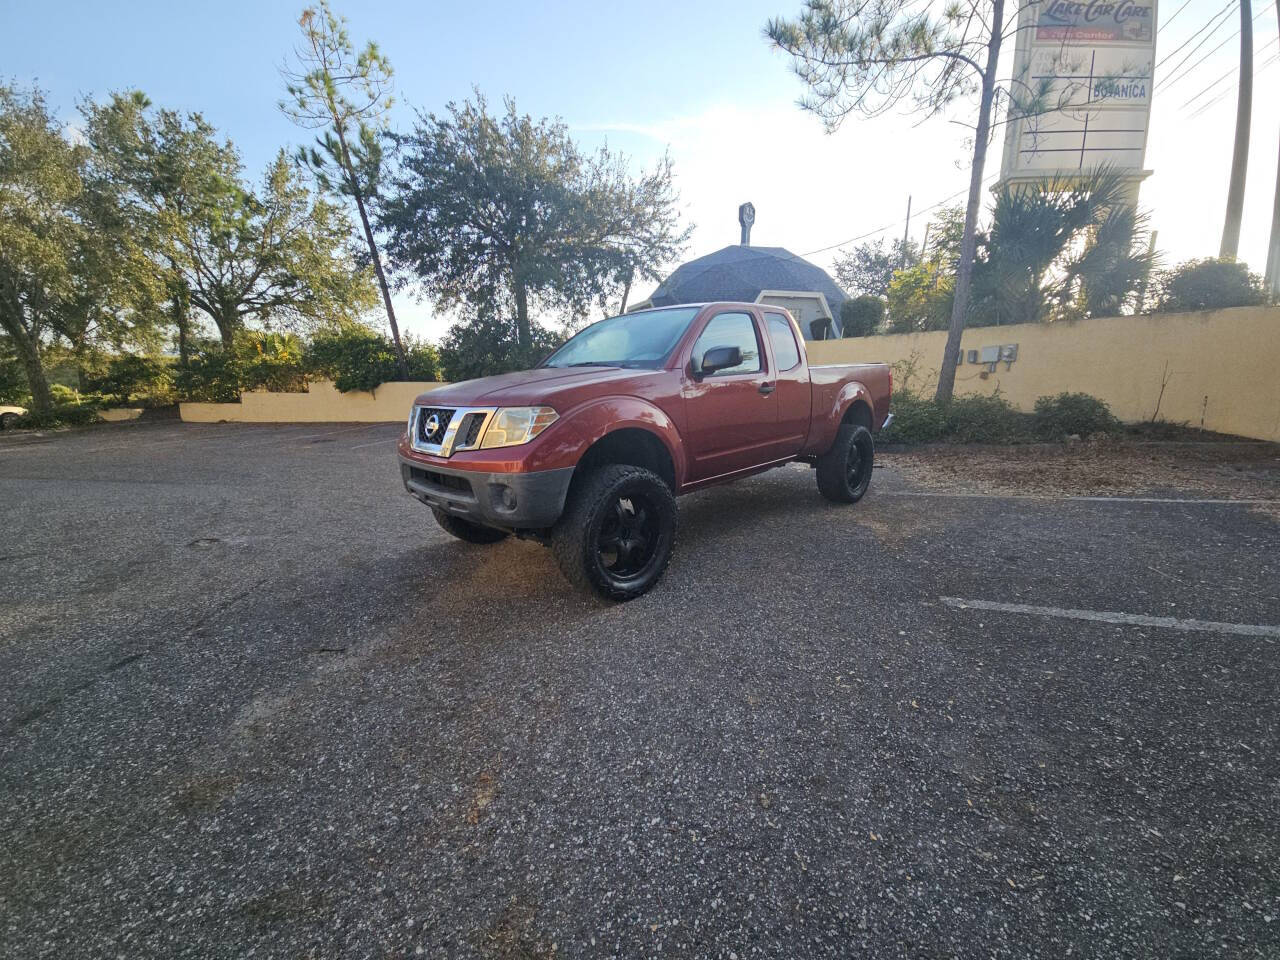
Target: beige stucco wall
x,y
1222,365
322,403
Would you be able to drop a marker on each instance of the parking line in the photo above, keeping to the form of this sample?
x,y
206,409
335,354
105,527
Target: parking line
x,y
1129,619
375,442
1050,497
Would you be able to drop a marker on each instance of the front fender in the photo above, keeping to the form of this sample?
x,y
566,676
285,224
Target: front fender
x,y
594,419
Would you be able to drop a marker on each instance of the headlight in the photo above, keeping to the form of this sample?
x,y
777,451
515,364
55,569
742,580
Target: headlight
x,y
511,426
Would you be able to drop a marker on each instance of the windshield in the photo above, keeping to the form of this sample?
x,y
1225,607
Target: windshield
x,y
641,340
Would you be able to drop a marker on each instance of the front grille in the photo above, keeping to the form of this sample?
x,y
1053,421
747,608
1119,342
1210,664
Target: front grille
x,y
469,429
433,433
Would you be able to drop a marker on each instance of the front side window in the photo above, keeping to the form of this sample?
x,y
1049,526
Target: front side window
x,y
642,340
731,330
783,338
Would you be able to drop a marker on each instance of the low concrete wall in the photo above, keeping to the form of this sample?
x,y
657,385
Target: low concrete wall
x,y
322,403
1221,367
120,414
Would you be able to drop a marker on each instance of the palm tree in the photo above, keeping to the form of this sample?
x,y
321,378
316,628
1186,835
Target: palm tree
x,y
1063,248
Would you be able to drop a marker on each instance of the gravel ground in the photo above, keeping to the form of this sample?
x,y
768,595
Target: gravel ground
x,y
254,702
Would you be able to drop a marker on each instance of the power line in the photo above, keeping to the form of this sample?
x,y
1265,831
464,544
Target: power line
x,y
1186,73
1229,73
1227,92
1174,17
1207,37
890,226
1212,22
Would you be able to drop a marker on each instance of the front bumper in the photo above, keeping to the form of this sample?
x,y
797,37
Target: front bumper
x,y
512,501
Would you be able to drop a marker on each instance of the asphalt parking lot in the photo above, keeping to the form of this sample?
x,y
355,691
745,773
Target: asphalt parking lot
x,y
255,702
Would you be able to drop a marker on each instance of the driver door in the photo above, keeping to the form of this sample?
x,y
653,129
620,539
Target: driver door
x,y
731,415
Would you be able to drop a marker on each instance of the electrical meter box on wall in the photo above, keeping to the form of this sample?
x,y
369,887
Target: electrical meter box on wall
x,y
990,354
1009,352
973,356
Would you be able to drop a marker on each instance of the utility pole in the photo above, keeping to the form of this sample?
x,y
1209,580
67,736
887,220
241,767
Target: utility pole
x,y
1240,156
1273,248
906,231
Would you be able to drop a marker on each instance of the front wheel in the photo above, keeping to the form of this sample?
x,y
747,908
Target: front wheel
x,y
844,471
617,532
8,421
466,530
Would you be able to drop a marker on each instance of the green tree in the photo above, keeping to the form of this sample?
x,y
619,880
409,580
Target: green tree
x,y
276,256
866,57
862,316
345,94
1063,248
501,217
13,379
71,268
1209,284
921,298
868,267
1060,249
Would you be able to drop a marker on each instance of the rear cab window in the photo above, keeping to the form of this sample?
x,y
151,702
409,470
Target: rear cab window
x,y
782,336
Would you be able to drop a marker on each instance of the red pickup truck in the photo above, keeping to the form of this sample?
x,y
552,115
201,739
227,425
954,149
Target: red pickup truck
x,y
587,452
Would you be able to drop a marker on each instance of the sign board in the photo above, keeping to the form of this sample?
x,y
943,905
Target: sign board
x,y
1083,70
1098,22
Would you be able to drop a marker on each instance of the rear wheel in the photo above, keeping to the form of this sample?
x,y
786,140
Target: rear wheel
x,y
8,421
844,471
617,532
466,530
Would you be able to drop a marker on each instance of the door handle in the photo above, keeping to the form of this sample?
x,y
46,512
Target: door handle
x,y
766,388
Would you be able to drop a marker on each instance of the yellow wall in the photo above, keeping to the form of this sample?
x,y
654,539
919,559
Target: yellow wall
x,y
321,404
1230,357
1223,365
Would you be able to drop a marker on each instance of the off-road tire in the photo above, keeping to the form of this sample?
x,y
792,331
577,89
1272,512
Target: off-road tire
x,y
842,479
8,421
466,530
591,515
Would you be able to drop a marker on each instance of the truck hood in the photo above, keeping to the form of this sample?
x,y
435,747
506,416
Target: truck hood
x,y
554,386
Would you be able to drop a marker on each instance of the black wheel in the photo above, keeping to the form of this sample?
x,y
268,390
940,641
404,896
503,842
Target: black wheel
x,y
844,471
466,530
8,421
617,532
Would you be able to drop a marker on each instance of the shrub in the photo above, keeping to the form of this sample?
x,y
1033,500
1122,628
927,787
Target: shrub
x,y
129,374
861,316
970,419
210,375
1209,284
979,419
1073,413
916,419
62,415
356,358
13,378
485,346
270,361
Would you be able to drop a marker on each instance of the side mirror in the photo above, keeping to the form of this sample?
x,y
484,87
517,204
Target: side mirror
x,y
719,358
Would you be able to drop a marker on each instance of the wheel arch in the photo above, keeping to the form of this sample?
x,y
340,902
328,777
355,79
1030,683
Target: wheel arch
x,y
858,412
634,446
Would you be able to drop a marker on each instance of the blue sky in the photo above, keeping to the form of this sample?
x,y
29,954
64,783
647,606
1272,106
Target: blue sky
x,y
694,77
